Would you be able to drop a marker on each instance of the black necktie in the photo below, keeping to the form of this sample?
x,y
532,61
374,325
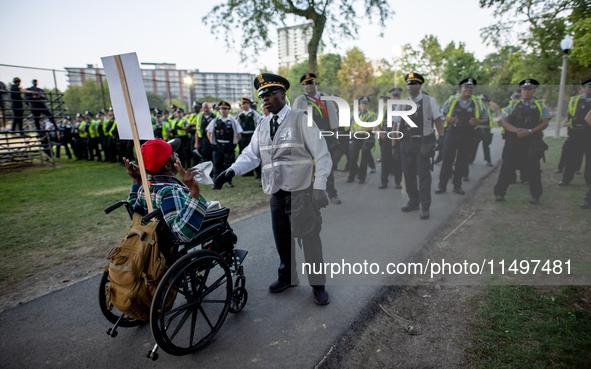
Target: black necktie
x,y
274,125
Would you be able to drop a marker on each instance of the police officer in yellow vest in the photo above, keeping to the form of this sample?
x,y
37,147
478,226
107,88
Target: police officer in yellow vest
x,y
483,132
191,128
92,136
202,144
362,139
523,121
290,152
417,145
80,138
579,139
463,113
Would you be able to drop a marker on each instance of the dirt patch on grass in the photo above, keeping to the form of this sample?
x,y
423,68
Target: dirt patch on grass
x,y
66,267
432,323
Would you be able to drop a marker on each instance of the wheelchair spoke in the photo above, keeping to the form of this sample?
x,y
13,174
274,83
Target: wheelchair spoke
x,y
193,321
203,280
181,323
205,316
214,286
182,307
214,301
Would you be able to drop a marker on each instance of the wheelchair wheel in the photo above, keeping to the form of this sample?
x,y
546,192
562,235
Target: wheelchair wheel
x,y
201,285
109,311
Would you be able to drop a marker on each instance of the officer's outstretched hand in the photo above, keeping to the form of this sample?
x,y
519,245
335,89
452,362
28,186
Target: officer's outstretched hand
x,y
224,177
320,198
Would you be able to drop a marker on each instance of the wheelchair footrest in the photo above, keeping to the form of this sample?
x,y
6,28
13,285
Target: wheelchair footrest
x,y
239,255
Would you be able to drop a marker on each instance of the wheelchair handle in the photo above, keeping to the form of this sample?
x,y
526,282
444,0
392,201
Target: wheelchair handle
x,y
153,214
118,204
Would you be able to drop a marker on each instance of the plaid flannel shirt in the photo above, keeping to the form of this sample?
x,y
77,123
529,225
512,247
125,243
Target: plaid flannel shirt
x,y
182,213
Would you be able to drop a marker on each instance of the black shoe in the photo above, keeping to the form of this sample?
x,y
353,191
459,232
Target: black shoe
x,y
320,296
373,170
585,205
361,181
525,183
424,214
350,180
578,172
499,198
408,208
440,190
534,200
466,179
563,183
379,160
398,186
489,164
335,199
558,171
257,177
459,191
279,286
230,185
382,186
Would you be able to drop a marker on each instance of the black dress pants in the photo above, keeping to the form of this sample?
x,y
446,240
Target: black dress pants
x,y
579,145
415,165
355,146
514,156
285,243
457,148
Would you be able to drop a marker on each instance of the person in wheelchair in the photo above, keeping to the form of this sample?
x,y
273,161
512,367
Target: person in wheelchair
x,y
183,209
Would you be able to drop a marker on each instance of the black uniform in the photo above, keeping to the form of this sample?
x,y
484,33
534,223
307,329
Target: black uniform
x,y
204,145
579,142
516,152
457,145
66,139
223,149
38,107
17,107
248,124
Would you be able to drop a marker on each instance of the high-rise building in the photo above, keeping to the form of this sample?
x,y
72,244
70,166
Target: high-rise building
x,y
293,44
168,82
160,78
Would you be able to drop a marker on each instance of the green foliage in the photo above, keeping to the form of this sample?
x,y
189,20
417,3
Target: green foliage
x,y
156,101
460,64
209,98
258,18
177,102
355,69
581,51
89,96
328,67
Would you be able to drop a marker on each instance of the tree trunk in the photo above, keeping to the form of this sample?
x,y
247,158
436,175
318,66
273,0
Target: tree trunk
x,y
319,22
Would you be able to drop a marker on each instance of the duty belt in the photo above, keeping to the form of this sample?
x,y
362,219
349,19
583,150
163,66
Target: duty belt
x,y
223,141
247,132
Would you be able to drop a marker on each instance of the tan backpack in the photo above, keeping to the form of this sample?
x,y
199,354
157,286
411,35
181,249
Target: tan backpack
x,y
136,268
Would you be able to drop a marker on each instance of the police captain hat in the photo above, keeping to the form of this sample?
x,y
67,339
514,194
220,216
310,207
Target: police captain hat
x,y
468,82
413,77
224,105
245,100
396,91
529,84
308,78
268,82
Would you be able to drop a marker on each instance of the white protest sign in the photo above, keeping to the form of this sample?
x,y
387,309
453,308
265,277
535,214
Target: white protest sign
x,y
137,93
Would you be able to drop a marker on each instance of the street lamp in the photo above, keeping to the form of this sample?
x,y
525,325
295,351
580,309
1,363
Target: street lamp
x,y
566,44
189,82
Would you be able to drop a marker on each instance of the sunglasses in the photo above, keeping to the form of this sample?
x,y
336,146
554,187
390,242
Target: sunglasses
x,y
268,94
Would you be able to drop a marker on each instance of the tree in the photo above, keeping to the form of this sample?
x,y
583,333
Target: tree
x,y
156,101
356,76
328,67
87,97
460,64
257,17
427,60
209,98
179,104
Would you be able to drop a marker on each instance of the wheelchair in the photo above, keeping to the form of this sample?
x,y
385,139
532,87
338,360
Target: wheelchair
x,y
196,292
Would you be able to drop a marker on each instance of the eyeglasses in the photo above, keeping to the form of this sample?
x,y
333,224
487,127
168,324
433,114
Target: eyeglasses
x,y
267,94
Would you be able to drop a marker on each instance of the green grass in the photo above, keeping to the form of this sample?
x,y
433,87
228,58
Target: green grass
x,y
555,229
523,327
51,215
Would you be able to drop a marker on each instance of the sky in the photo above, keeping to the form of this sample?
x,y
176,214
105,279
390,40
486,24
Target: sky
x,y
66,33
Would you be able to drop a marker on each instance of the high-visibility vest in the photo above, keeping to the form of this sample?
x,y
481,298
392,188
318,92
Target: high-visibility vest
x,y
93,129
368,116
113,128
513,104
82,129
177,128
198,120
476,103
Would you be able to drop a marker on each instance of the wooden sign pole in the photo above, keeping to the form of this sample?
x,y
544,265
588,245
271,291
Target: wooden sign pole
x,y
136,138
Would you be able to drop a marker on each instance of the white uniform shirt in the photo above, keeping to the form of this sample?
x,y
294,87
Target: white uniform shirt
x,y
236,128
251,156
435,109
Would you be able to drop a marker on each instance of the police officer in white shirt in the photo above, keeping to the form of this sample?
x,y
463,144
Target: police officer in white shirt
x,y
416,146
289,151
